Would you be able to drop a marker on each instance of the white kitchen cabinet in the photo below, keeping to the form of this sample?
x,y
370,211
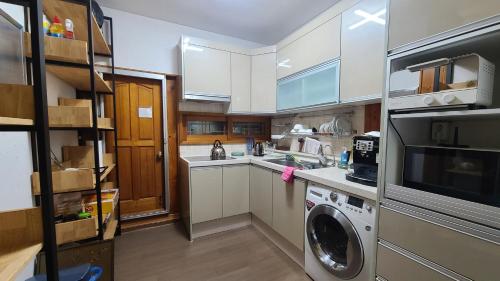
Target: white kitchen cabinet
x,y
261,194
263,83
320,45
412,20
206,71
363,53
206,194
241,71
288,209
236,190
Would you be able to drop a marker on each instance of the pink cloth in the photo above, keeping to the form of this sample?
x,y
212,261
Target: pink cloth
x,y
287,175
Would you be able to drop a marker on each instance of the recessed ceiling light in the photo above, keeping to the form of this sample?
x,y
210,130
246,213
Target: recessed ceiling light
x,y
369,18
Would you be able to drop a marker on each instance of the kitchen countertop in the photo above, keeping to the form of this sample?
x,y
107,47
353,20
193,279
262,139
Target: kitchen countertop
x,y
332,177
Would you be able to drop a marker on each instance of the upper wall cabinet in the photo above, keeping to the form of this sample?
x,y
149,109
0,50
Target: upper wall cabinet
x,y
206,72
263,83
363,51
241,71
320,45
412,20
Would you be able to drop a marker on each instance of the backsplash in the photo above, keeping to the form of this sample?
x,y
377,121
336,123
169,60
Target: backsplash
x,y
204,149
281,124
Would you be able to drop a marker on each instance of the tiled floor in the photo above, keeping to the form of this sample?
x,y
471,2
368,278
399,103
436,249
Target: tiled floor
x,y
164,253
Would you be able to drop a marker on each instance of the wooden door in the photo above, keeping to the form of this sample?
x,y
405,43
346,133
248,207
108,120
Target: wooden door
x,y
140,152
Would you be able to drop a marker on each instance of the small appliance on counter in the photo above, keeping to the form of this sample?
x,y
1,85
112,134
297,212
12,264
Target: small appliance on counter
x,y
365,159
258,149
218,152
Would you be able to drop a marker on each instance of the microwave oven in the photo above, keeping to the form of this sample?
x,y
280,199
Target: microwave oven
x,y
461,182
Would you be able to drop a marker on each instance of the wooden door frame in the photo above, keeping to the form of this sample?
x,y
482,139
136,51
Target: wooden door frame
x,y
130,75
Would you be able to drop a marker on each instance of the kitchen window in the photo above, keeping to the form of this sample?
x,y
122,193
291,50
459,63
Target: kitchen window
x,y
195,128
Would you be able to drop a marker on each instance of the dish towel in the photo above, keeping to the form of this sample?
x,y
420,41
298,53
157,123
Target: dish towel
x,y
287,174
311,146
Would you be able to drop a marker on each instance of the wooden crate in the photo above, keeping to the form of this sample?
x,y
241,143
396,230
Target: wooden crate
x,y
60,49
105,123
79,156
16,101
75,230
75,102
70,116
66,181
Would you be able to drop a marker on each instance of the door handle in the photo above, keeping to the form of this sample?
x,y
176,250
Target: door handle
x,y
159,155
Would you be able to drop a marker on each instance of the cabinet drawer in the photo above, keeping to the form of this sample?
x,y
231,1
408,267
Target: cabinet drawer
x,y
472,257
394,266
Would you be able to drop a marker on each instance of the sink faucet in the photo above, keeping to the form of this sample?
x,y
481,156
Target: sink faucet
x,y
321,156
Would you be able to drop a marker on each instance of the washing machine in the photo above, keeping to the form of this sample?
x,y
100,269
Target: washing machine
x,y
339,231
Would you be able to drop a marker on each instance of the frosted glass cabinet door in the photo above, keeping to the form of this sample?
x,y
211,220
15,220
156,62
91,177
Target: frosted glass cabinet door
x,y
241,71
207,71
363,52
312,87
264,83
412,20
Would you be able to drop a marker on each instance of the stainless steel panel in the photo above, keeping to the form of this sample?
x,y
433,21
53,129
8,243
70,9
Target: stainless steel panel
x,y
475,212
455,250
394,264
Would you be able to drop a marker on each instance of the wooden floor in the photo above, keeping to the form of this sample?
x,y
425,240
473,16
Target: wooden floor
x,y
164,253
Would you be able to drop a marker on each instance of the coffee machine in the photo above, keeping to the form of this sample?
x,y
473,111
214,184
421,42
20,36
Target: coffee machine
x,y
365,159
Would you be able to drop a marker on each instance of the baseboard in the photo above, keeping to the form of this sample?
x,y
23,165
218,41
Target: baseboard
x,y
220,225
284,245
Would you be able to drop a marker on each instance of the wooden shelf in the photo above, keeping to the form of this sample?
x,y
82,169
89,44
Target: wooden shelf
x,y
79,78
17,105
66,181
110,228
60,49
21,237
11,263
78,14
16,121
107,171
479,114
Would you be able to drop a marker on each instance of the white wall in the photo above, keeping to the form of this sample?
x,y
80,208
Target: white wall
x,y
16,164
150,44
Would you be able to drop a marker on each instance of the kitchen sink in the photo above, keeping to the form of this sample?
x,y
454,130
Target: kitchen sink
x,y
306,165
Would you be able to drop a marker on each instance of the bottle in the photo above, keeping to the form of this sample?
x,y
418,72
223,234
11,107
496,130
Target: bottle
x,y
68,33
344,159
56,29
46,25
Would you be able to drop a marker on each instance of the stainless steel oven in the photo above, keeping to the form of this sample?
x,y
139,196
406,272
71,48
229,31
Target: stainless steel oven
x,y
461,182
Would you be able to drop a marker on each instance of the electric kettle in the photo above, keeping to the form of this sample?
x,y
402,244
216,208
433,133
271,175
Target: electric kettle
x,y
258,149
218,152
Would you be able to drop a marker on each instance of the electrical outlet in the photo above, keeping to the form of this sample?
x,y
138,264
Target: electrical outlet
x,y
440,131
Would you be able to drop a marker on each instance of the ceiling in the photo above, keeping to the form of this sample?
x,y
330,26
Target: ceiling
x,y
261,21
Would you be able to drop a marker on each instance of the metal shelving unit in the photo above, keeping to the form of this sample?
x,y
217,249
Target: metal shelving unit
x,y
40,129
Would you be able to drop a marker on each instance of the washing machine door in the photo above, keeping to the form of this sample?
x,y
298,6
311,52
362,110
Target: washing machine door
x,y
334,241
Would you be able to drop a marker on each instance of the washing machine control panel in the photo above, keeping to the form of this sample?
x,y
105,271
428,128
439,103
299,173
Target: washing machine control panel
x,y
353,205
